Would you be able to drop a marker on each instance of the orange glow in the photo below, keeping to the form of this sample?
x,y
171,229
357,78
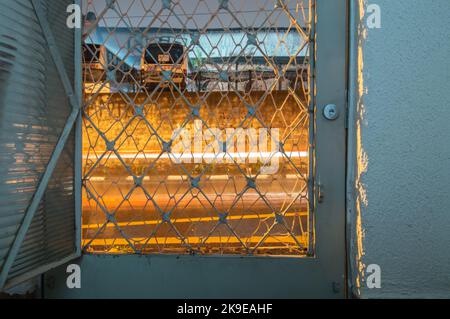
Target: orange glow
x,y
138,183
191,220
278,244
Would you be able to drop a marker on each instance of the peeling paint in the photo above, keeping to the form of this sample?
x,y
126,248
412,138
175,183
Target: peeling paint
x,y
362,157
359,164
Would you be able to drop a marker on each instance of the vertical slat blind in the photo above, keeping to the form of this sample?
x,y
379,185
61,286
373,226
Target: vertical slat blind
x,y
33,111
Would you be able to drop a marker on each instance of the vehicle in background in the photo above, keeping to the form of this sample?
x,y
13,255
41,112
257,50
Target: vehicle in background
x,y
105,72
95,63
158,58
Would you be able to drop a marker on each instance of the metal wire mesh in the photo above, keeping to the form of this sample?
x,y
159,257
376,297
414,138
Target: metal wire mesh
x,y
196,133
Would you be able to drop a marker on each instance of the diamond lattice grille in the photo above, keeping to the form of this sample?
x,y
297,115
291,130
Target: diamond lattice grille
x,y
196,135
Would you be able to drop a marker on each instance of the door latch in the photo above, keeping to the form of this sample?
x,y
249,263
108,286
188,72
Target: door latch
x,y
331,112
320,193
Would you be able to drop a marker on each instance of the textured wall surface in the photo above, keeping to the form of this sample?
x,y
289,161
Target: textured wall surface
x,y
402,216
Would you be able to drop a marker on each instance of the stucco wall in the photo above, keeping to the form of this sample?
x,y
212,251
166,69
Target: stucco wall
x,y
400,219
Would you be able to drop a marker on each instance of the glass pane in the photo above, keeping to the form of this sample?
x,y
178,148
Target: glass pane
x,y
196,127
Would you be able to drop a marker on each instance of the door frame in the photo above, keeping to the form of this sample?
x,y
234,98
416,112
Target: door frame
x,y
320,276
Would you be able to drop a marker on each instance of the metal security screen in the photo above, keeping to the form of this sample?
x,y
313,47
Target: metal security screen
x,y
197,135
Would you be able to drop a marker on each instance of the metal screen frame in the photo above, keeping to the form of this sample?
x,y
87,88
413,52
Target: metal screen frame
x,y
104,214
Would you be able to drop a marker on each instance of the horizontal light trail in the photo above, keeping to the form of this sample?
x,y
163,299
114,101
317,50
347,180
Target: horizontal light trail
x,y
230,239
190,220
180,178
201,156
